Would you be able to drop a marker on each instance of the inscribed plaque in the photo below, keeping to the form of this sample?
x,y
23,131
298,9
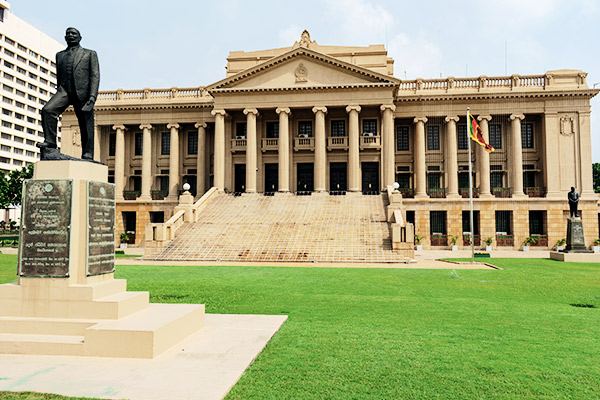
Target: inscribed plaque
x,y
45,241
101,228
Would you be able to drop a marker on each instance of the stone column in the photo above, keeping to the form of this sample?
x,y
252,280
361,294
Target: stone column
x,y
146,162
284,149
387,131
585,163
517,155
174,162
320,165
201,160
452,157
353,152
119,161
251,114
483,159
420,175
219,152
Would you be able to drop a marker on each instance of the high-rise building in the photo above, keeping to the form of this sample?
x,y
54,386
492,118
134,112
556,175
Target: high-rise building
x,y
28,80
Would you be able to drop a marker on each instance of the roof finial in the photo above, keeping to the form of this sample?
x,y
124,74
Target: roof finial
x,y
305,39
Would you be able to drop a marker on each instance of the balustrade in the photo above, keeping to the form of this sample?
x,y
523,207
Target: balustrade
x,y
337,142
270,144
304,143
370,142
238,145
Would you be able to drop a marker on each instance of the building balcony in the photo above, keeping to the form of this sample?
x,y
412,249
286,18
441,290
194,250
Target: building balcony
x,y
540,240
370,142
304,143
158,194
464,193
131,194
505,240
439,239
238,144
407,193
337,142
270,144
534,191
467,240
501,192
436,193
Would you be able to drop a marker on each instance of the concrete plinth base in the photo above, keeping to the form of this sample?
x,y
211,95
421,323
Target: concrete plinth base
x,y
575,257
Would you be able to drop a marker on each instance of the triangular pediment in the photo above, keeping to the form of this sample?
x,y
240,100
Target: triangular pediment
x,y
302,68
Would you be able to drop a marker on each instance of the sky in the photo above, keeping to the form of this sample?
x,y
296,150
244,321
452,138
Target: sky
x,y
184,43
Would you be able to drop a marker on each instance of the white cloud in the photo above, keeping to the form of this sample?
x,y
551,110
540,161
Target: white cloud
x,y
417,56
358,21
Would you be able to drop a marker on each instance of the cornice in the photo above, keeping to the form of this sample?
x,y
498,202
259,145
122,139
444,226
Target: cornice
x,y
587,93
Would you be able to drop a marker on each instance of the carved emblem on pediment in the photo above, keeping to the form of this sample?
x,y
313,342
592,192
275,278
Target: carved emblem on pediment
x,y
304,40
567,125
301,73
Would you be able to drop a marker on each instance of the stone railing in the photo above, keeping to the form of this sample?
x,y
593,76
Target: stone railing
x,y
304,143
159,235
370,142
337,142
238,145
403,233
153,94
270,144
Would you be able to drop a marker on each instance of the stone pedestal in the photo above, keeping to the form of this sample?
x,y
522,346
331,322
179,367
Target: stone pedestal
x,y
575,237
67,301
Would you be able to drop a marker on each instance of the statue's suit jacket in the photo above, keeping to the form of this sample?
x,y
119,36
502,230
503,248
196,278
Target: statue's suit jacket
x,y
86,72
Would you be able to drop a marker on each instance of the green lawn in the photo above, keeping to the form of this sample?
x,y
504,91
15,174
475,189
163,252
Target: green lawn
x,y
403,334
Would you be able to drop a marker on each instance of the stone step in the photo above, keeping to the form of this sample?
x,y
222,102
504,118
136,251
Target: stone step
x,y
97,290
147,333
119,305
45,326
64,345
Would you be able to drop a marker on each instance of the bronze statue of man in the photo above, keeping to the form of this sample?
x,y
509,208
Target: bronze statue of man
x,y
78,79
573,197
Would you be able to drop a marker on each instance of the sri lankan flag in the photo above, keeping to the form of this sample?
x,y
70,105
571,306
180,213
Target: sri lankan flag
x,y
476,134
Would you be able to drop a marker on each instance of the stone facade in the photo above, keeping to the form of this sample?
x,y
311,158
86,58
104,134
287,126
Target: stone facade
x,y
331,118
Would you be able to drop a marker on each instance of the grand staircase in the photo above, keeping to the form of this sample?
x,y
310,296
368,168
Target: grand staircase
x,y
349,228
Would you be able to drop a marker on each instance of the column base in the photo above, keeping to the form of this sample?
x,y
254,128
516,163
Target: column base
x,y
284,190
144,198
519,196
486,196
250,190
422,196
454,196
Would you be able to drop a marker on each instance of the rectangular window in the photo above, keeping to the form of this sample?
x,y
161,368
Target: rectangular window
x,y
21,59
7,100
192,147
30,142
33,65
8,65
19,104
305,129
9,41
19,128
139,144
369,127
20,81
8,76
6,124
496,179
527,135
32,98
21,70
437,222
7,88
18,139
31,131
21,47
402,140
9,53
5,148
5,160
32,109
433,180
495,132
18,162
44,81
31,120
165,143
32,87
338,128
272,130
536,223
241,130
503,222
403,180
433,137
466,222
112,144
29,153
18,151
462,137
20,93
528,179
6,136
32,75
6,112
19,116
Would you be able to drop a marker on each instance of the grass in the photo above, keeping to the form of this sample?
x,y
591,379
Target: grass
x,y
530,330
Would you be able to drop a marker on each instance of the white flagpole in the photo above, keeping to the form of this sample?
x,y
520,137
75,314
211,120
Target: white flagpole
x,y
472,236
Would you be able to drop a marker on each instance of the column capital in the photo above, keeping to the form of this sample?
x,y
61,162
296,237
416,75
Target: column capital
x,y
321,109
387,106
173,125
453,118
353,108
118,127
250,111
517,116
285,110
218,112
484,117
145,126
420,119
200,125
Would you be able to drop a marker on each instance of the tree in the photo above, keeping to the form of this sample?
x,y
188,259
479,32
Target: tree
x,y
11,189
596,172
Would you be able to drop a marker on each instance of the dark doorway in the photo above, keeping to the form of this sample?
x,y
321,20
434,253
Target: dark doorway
x,y
271,178
338,177
240,178
305,177
157,217
370,178
129,222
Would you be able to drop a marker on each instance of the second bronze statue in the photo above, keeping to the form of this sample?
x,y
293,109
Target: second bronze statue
x,y
78,79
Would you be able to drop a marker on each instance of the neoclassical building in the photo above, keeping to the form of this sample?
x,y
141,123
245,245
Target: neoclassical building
x,y
329,118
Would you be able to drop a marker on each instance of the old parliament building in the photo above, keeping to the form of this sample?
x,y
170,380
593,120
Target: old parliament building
x,y
331,118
